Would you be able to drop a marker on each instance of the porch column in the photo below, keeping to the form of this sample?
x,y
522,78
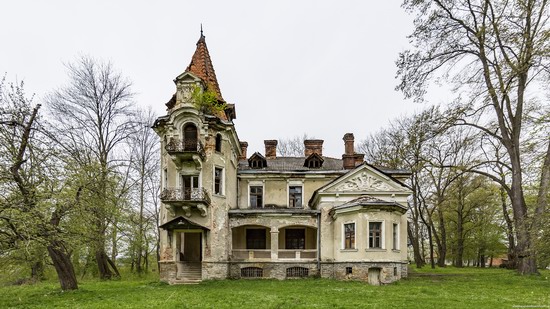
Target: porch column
x,y
274,243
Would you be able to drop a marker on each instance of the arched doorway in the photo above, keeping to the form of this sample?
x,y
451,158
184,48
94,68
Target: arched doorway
x,y
190,137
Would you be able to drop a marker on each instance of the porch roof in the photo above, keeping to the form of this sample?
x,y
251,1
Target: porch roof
x,y
182,223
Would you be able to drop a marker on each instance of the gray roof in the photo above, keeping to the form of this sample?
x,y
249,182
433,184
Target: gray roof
x,y
367,200
293,164
296,164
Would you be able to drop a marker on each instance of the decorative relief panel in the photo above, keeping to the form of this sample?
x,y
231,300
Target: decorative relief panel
x,y
364,182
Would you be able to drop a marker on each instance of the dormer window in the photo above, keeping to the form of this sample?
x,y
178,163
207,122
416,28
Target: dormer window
x,y
314,161
257,161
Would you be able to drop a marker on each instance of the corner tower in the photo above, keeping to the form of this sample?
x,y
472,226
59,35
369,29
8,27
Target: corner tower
x,y
199,159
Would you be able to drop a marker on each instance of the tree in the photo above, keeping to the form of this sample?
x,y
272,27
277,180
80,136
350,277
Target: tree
x,y
36,199
493,52
93,116
292,147
144,147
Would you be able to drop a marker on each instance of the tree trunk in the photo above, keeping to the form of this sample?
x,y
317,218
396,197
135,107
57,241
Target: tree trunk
x,y
512,256
442,243
37,271
416,246
63,265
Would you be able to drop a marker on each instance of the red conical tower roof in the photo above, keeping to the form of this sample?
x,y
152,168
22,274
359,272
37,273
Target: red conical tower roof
x,y
201,66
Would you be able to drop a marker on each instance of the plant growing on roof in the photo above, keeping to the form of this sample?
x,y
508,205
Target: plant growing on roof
x,y
207,101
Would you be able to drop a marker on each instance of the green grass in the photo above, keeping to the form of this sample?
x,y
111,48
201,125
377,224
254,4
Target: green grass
x,y
440,288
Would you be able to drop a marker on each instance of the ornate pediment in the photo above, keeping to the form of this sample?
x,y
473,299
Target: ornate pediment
x,y
364,181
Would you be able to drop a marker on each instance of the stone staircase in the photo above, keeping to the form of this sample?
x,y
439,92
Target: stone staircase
x,y
189,273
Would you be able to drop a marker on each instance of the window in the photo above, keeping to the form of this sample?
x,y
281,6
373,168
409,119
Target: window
x,y
349,270
219,142
218,181
189,185
349,236
297,272
295,239
252,272
190,137
255,239
165,178
395,271
375,234
295,196
256,196
313,161
395,231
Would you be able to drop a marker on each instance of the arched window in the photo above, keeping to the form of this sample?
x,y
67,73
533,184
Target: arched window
x,y
190,137
218,142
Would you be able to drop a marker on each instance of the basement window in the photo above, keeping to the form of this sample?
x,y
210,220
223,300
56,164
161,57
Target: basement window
x,y
252,272
349,270
297,272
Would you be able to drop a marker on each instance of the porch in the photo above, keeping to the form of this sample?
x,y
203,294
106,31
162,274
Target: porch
x,y
256,243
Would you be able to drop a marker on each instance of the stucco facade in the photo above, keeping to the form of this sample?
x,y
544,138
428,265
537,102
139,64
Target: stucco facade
x,y
228,215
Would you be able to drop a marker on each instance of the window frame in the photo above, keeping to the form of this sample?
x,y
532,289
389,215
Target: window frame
x,y
382,237
256,184
295,195
218,143
395,236
344,236
221,181
295,183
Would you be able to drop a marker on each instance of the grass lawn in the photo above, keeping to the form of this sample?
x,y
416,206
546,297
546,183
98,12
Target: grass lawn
x,y
426,288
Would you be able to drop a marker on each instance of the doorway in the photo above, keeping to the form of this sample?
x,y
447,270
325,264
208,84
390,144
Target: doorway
x,y
374,276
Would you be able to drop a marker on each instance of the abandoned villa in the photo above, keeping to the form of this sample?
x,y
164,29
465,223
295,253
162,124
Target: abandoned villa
x,y
228,214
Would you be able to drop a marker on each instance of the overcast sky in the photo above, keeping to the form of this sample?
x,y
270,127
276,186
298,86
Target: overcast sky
x,y
291,67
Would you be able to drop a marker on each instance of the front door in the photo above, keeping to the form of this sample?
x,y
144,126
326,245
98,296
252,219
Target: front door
x,y
192,247
188,183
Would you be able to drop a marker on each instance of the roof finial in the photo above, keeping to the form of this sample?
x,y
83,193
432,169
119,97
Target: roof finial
x,y
201,31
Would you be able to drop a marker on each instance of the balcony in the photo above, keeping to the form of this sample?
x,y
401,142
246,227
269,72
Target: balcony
x,y
185,150
186,199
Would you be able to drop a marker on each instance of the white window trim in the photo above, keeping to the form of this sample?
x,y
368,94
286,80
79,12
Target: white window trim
x,y
397,238
344,235
382,234
222,189
257,183
294,183
178,181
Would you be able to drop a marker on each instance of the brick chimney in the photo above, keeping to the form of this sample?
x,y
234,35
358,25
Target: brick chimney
x,y
244,147
359,158
313,146
270,149
349,154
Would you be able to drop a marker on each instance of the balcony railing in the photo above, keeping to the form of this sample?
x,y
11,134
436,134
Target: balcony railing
x,y
180,195
251,254
185,148
283,254
294,254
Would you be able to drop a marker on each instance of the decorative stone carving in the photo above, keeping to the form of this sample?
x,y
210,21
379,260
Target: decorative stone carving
x,y
186,91
364,182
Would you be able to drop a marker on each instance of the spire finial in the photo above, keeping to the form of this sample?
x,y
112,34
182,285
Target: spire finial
x,y
201,31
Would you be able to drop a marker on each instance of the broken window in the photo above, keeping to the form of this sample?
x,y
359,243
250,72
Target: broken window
x,y
349,236
256,196
375,234
295,196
